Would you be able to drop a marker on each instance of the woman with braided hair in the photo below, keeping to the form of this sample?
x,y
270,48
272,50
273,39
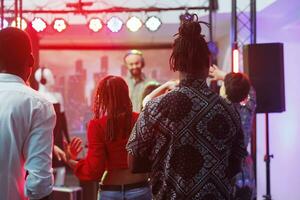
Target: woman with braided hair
x,y
108,132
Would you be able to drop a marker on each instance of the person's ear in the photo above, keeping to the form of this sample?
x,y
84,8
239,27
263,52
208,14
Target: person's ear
x,y
31,61
143,62
28,68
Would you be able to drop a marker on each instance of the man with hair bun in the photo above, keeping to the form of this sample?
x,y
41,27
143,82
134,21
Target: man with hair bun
x,y
189,139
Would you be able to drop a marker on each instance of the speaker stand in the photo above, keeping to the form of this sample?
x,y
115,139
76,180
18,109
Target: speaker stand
x,y
267,159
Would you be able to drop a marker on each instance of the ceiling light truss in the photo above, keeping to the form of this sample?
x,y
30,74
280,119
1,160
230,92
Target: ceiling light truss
x,y
133,24
243,26
16,8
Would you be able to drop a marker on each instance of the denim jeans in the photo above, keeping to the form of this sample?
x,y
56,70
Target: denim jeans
x,y
143,193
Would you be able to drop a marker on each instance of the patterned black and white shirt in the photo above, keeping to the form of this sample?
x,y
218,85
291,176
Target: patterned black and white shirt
x,y
193,140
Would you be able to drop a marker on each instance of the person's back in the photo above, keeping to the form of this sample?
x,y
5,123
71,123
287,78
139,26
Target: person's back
x,y
107,135
20,110
46,87
26,124
191,137
237,88
195,142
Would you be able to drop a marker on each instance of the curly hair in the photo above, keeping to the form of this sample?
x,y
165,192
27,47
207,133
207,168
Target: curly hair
x,y
112,99
190,51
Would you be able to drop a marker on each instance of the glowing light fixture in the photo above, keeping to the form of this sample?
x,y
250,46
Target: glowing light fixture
x,y
235,60
95,24
22,26
59,25
153,23
5,23
38,24
114,24
134,24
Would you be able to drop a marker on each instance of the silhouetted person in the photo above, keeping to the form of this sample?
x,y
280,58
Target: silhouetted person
x,y
45,78
237,88
26,124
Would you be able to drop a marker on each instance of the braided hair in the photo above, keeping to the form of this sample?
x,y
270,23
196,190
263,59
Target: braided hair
x,y
112,99
190,51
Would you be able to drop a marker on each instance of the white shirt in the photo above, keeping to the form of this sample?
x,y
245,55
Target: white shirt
x,y
26,138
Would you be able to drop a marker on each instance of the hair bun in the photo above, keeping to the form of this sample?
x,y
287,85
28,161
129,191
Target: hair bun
x,y
190,29
190,26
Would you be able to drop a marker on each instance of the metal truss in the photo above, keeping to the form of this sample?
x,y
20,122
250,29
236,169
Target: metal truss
x,y
16,6
243,31
243,25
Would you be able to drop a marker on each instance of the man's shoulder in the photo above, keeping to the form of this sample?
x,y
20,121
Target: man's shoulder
x,y
170,95
25,95
149,81
36,96
230,107
165,102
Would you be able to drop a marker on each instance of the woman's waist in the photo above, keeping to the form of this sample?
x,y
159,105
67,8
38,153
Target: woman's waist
x,y
124,187
116,165
122,176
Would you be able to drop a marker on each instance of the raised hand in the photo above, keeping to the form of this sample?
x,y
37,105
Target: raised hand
x,y
170,85
59,153
164,88
215,73
74,148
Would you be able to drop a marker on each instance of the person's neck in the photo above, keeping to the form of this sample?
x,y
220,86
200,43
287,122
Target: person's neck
x,y
137,78
185,75
44,89
22,76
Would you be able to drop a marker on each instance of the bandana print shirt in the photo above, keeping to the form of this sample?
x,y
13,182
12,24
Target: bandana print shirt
x,y
193,140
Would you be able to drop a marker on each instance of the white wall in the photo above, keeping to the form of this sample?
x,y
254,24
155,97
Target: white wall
x,y
278,23
284,127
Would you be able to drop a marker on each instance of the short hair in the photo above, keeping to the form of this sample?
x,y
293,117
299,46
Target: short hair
x,y
149,88
190,51
237,86
135,52
15,48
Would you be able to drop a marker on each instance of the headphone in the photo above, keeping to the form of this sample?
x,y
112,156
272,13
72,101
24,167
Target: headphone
x,y
43,80
135,52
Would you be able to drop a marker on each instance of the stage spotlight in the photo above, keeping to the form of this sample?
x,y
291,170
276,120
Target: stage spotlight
x,y
134,24
5,23
95,24
23,26
38,24
153,23
59,24
114,24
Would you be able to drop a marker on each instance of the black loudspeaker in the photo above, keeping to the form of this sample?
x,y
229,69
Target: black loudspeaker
x,y
264,65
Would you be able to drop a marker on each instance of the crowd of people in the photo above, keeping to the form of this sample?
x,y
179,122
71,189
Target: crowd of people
x,y
178,140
